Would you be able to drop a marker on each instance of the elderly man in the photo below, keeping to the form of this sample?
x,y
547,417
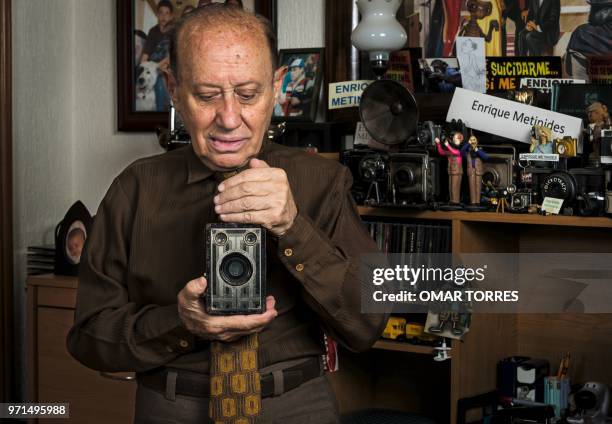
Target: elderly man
x,y
140,304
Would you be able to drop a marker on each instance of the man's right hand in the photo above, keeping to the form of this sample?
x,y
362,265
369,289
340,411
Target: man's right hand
x,y
214,327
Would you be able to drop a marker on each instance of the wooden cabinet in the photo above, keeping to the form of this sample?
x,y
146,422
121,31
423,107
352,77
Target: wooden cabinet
x,y
403,377
53,375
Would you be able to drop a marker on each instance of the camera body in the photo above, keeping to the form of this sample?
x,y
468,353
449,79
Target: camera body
x,y
606,147
370,175
581,189
498,171
413,179
235,269
427,132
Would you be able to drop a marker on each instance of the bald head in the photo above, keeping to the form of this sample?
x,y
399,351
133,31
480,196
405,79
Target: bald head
x,y
218,18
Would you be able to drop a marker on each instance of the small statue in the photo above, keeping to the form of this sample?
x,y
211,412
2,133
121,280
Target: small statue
x,y
599,118
452,151
541,140
478,10
474,156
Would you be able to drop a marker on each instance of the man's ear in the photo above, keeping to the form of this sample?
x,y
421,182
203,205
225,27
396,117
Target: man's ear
x,y
172,85
279,76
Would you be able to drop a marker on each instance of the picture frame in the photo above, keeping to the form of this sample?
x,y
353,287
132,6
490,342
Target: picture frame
x,y
70,238
298,100
134,19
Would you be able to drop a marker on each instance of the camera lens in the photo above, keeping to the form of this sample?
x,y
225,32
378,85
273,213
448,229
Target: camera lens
x,y
250,238
220,239
236,269
404,176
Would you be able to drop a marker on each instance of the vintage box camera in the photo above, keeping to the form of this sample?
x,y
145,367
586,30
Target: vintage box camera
x,y
581,189
413,179
566,147
370,175
236,269
498,170
427,132
520,200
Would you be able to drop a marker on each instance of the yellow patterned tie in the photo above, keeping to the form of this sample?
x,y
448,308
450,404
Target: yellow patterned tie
x,y
235,383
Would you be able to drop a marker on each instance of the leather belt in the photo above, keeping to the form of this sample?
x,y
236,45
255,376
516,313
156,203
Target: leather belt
x,y
198,385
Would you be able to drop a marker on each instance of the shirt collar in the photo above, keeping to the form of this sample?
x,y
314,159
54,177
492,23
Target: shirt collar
x,y
197,171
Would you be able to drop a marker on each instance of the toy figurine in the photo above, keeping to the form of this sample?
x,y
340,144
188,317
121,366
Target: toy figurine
x,y
599,118
474,156
541,140
478,10
452,151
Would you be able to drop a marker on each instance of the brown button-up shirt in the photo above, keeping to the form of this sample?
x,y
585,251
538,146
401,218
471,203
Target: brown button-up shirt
x,y
148,241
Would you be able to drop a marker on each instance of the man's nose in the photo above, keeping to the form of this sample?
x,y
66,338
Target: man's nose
x,y
229,112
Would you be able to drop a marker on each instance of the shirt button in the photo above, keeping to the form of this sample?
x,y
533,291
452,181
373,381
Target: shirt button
x,y
299,267
288,252
183,343
169,349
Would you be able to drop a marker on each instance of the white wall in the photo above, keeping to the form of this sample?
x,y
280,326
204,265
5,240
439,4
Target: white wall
x,y
66,146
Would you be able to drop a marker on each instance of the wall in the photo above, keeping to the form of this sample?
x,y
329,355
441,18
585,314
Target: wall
x,y
66,146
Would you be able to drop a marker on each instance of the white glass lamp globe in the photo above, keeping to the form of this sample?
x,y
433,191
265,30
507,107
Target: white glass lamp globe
x,y
379,33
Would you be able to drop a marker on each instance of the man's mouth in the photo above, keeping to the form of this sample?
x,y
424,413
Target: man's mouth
x,y
227,144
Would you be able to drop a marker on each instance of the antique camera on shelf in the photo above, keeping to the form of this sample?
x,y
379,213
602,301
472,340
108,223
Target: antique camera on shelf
x,y
413,179
581,189
404,174
520,200
176,136
236,269
427,132
370,175
606,147
498,170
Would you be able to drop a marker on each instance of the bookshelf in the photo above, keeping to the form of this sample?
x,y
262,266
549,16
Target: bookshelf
x,y
472,369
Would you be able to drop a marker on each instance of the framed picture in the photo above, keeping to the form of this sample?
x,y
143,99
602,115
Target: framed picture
x,y
143,29
70,237
299,96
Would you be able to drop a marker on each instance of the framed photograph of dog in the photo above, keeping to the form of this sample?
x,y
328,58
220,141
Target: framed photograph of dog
x,y
299,96
143,29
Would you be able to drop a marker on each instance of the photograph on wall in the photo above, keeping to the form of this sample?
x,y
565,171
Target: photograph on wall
x,y
571,29
299,94
440,75
153,23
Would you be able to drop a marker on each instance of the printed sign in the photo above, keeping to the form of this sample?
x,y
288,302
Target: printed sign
x,y
505,73
552,205
507,118
346,94
545,85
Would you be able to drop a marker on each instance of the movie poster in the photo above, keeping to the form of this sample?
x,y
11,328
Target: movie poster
x,y
573,30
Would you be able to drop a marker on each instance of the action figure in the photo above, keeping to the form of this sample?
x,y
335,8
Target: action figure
x,y
599,118
455,167
474,156
541,138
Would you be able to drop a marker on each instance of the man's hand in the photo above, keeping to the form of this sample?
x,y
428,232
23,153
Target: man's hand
x,y
214,327
531,26
258,195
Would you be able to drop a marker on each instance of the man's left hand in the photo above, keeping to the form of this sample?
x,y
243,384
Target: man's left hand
x,y
531,26
258,195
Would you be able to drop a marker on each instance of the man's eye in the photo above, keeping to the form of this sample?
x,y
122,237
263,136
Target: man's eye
x,y
207,97
247,95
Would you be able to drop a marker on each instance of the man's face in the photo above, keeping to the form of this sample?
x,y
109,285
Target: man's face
x,y
164,16
225,94
296,73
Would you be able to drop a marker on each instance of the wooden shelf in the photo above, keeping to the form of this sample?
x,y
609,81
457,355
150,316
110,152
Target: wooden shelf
x,y
403,347
502,218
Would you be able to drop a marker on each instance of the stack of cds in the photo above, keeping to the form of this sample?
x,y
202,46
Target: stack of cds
x,y
41,259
